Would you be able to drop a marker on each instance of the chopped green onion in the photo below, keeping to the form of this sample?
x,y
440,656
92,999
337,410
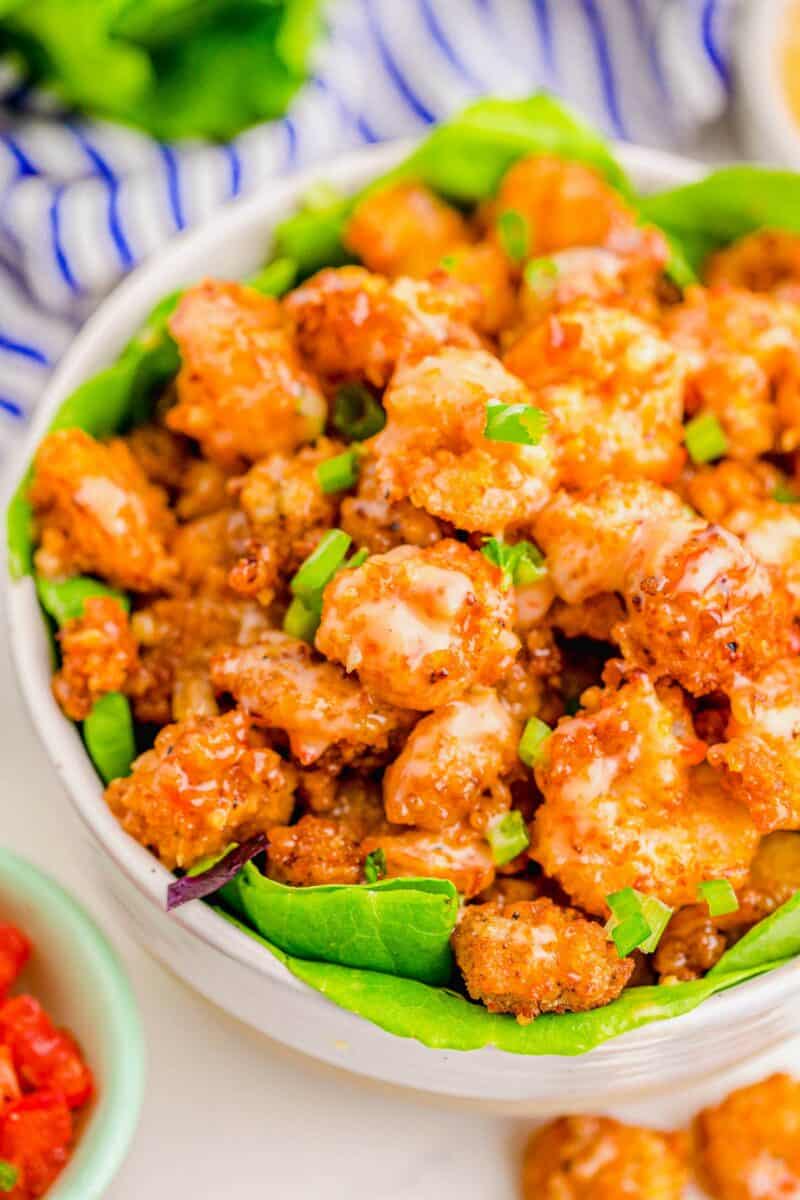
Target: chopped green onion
x,y
705,439
448,262
109,736
339,473
522,563
508,837
375,865
275,278
9,1175
356,412
519,423
512,229
356,559
637,921
301,620
719,896
540,275
531,744
629,934
321,565
657,914
784,494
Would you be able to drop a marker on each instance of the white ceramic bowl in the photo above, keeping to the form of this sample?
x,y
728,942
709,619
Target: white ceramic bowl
x,y
224,964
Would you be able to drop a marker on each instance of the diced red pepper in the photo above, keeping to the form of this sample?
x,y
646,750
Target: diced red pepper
x,y
35,1136
9,1083
44,1057
15,950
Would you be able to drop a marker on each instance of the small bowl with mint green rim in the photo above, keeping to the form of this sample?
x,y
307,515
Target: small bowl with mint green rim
x,y
81,982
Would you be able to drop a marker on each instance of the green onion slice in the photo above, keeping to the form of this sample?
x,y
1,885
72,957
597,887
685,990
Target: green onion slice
x,y
508,837
705,439
629,934
321,565
512,229
339,473
375,866
637,921
522,563
9,1175
302,620
519,423
540,275
532,743
356,412
719,896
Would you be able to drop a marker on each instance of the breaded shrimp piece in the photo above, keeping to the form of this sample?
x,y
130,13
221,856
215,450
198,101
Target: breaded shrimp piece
x,y
203,489
623,808
403,229
596,1158
765,261
433,451
745,365
96,512
242,391
98,653
533,957
163,456
352,800
177,637
379,523
207,547
567,204
328,718
613,387
594,618
453,758
761,756
420,627
749,1145
350,324
459,854
719,489
205,783
317,850
690,945
485,266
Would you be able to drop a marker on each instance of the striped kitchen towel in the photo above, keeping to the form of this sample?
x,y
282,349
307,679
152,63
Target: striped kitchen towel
x,y
82,202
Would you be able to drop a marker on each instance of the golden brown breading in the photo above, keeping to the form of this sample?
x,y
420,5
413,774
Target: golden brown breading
x,y
433,451
484,265
206,782
328,718
379,523
420,627
596,1158
96,512
458,854
690,945
403,229
316,850
749,1145
533,957
163,456
206,548
765,261
242,392
98,654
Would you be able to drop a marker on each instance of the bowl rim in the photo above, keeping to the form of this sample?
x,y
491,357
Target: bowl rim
x,y
104,1143
98,343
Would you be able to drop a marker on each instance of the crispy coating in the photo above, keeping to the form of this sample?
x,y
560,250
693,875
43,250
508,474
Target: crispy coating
x,y
458,853
765,261
242,392
433,451
533,957
206,782
485,266
207,547
613,387
596,1158
594,618
744,350
420,627
625,807
98,653
328,718
379,523
453,759
761,756
316,850
749,1145
203,489
96,512
351,324
690,945
177,637
163,456
404,229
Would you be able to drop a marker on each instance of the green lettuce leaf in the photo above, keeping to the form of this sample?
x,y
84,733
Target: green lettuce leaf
x,y
397,926
109,736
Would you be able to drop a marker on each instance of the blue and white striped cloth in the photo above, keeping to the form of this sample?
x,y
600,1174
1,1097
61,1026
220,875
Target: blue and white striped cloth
x,y
82,202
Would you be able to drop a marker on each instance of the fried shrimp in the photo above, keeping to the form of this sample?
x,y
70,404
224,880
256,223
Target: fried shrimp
x,y
749,1145
434,451
613,387
379,523
596,1158
98,654
96,512
625,806
352,325
327,717
317,850
242,392
765,261
404,229
206,782
533,957
420,627
458,756
457,853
